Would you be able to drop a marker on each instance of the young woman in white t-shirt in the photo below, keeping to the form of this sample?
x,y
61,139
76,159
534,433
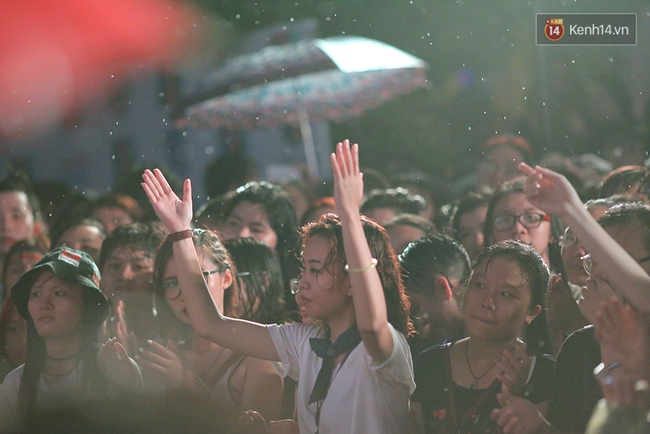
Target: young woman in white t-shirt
x,y
350,284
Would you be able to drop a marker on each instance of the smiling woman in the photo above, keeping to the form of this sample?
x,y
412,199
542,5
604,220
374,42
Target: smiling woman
x,y
505,293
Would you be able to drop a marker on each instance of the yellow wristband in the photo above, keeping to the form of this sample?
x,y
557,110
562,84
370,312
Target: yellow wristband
x,y
372,265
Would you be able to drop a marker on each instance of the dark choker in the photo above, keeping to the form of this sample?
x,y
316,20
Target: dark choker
x,y
61,359
65,374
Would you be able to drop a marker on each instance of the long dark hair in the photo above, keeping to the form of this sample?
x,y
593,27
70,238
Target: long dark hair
x,y
397,302
260,276
92,381
208,242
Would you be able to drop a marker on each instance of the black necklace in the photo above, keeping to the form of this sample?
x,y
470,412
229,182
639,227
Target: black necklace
x,y
60,359
65,374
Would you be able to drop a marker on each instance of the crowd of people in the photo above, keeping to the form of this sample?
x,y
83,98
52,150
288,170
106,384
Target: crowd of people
x,y
514,301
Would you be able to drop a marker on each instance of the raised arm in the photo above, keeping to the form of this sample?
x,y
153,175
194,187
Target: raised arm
x,y
240,336
553,193
367,291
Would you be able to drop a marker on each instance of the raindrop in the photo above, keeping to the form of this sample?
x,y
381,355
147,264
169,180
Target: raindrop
x,y
209,150
469,128
292,19
113,157
611,60
238,16
184,133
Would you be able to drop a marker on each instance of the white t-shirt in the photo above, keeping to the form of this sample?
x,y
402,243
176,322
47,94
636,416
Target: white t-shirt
x,y
65,393
363,398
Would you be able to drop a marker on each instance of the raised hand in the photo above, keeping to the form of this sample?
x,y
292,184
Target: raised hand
x,y
175,213
549,191
348,181
513,369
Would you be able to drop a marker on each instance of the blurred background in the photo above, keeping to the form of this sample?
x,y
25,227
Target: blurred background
x,y
486,76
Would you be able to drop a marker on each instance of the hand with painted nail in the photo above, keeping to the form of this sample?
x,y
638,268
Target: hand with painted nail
x,y
118,368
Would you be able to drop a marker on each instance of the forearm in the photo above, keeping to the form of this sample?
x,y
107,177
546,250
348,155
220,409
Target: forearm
x,y
208,322
367,291
624,274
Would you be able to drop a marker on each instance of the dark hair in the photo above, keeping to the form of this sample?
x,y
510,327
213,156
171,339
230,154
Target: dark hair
x,y
516,186
323,202
434,256
208,242
227,171
616,199
622,179
515,142
91,378
282,218
629,216
211,214
416,182
397,302
23,246
467,204
58,232
19,182
142,236
412,220
8,307
398,199
537,277
121,201
260,274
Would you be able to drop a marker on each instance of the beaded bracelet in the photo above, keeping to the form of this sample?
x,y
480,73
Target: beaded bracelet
x,y
372,265
180,235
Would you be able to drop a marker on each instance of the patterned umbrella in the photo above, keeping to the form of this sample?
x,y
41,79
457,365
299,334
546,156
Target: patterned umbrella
x,y
324,79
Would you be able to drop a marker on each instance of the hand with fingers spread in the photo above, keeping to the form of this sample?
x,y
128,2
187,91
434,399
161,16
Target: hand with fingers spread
x,y
167,363
550,191
348,180
116,365
514,367
175,213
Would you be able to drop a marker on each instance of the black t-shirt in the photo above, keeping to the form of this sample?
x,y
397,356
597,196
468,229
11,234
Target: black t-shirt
x,y
431,392
575,389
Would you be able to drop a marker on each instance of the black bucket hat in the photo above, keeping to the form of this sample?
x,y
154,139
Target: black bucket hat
x,y
71,266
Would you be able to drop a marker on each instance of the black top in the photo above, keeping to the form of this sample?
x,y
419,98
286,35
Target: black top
x,y
431,392
575,389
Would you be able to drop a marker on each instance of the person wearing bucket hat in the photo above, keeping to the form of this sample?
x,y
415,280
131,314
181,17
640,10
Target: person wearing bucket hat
x,y
64,308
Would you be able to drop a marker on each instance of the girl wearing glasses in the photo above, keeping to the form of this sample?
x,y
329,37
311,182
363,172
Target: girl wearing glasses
x,y
354,368
231,382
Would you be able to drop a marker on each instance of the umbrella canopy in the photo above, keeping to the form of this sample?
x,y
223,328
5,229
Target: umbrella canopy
x,y
324,79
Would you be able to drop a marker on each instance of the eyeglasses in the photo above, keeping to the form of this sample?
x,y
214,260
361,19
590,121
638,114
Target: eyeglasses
x,y
172,289
588,263
567,240
528,220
